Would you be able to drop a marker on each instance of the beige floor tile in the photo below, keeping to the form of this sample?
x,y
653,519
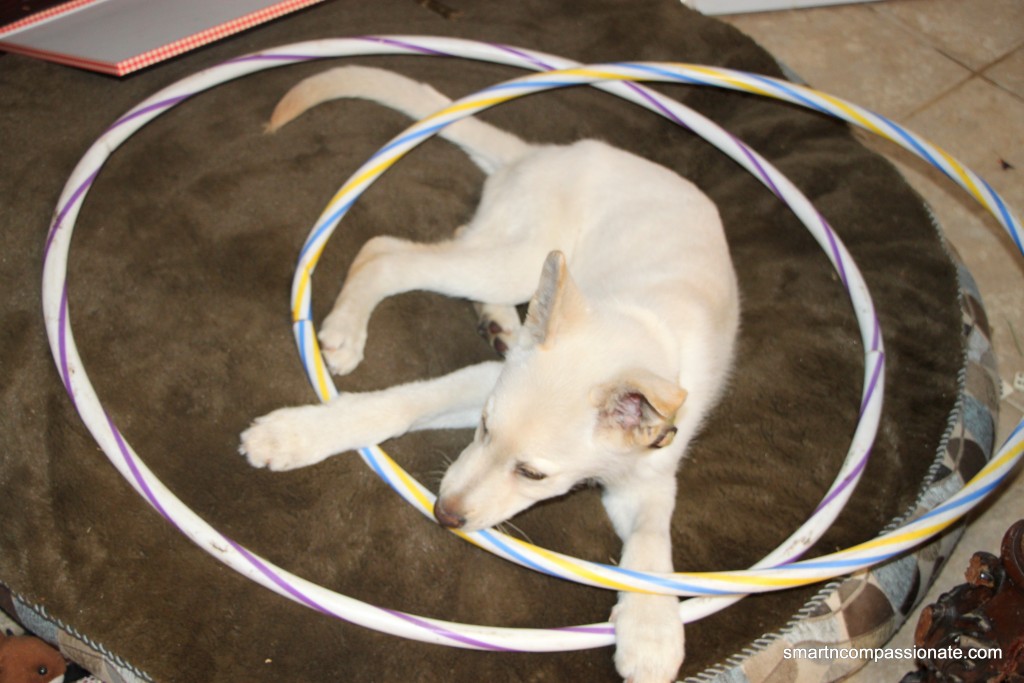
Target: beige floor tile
x,y
858,54
974,32
1008,73
982,125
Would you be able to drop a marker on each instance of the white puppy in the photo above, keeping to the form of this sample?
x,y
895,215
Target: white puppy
x,y
626,345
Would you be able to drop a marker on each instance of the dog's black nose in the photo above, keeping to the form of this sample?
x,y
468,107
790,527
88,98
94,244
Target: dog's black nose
x,y
447,518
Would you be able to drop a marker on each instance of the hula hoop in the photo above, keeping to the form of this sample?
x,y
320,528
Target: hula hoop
x,y
134,470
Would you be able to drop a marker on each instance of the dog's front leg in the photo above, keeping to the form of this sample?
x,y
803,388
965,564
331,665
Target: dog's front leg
x,y
648,631
295,437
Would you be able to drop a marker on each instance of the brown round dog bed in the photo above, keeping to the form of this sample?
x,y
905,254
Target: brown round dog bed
x,y
179,286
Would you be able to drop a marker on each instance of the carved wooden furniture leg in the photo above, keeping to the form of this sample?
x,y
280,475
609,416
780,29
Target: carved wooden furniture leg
x,y
975,632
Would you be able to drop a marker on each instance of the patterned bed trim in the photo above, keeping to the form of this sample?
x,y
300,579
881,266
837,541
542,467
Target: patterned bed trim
x,y
865,609
74,645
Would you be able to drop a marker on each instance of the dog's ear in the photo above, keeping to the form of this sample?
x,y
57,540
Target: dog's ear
x,y
640,408
555,305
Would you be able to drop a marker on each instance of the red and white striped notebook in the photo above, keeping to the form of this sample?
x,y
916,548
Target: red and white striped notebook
x,y
120,36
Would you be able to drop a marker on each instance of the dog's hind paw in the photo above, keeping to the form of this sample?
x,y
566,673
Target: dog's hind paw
x,y
648,637
495,336
498,325
285,439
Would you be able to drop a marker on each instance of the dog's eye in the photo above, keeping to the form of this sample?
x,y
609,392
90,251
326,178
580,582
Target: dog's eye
x,y
483,425
525,470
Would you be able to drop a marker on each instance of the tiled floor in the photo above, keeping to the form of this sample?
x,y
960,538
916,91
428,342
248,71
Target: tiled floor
x,y
952,71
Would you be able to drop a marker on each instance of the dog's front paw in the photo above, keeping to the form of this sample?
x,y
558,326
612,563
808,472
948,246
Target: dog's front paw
x,y
342,341
648,638
284,439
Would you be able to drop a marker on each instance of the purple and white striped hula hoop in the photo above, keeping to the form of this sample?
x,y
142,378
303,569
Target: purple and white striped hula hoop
x,y
774,572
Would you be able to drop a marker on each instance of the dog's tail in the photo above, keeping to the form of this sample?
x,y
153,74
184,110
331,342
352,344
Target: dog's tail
x,y
489,147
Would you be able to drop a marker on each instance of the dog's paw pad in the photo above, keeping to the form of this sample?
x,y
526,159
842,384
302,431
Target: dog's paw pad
x,y
498,325
343,360
342,348
495,335
649,638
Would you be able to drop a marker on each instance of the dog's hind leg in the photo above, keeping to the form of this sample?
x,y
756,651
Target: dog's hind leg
x,y
295,437
498,324
502,276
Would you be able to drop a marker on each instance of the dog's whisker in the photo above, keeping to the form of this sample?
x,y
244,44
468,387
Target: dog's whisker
x,y
508,528
504,528
435,475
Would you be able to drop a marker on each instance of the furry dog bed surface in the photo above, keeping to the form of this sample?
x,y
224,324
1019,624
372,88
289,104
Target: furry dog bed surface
x,y
179,277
